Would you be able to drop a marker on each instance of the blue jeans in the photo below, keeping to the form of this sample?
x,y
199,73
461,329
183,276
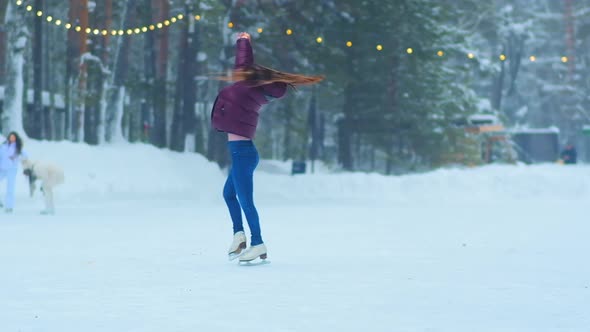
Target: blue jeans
x,y
10,175
238,191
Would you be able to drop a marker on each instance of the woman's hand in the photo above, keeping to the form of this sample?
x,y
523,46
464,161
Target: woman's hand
x,y
244,35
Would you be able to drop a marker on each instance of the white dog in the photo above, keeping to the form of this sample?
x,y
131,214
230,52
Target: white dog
x,y
50,176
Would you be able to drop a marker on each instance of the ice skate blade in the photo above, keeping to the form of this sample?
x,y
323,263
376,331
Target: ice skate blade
x,y
254,262
233,255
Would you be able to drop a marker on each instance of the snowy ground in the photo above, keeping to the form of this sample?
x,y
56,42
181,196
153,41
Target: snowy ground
x,y
140,237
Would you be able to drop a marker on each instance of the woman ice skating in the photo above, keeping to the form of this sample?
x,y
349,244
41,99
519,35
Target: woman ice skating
x,y
235,112
11,152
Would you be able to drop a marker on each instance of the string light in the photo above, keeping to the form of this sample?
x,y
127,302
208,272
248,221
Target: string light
x,y
121,32
289,32
259,30
198,17
129,31
440,53
319,40
97,31
533,58
379,47
502,57
230,25
564,59
471,55
410,50
105,32
349,43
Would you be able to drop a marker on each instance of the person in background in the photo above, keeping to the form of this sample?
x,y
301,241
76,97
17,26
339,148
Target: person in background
x,y
11,153
569,155
235,111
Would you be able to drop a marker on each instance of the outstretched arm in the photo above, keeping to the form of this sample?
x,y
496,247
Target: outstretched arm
x,y
244,54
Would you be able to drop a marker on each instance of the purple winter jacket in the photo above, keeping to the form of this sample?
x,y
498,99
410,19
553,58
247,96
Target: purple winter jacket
x,y
237,106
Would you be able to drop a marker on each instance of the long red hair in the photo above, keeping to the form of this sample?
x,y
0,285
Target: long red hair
x,y
257,75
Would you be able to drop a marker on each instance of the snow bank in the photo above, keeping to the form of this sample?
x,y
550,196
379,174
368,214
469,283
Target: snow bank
x,y
138,170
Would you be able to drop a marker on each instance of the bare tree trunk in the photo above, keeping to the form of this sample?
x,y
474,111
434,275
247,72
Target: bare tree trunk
x,y
159,136
149,63
345,132
71,72
50,118
183,123
114,132
82,75
37,128
17,36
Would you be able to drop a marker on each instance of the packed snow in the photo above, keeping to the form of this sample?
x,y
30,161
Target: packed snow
x,y
140,237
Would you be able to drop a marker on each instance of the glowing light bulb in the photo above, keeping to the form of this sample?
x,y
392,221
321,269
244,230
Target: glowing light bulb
x,y
230,25
166,23
173,20
39,13
410,50
144,29
502,57
289,32
533,58
319,40
58,22
471,55
152,27
564,59
49,18
198,17
379,47
440,53
259,30
349,44
29,8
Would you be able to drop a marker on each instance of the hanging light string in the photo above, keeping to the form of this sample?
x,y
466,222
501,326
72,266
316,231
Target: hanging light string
x,y
175,19
104,32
